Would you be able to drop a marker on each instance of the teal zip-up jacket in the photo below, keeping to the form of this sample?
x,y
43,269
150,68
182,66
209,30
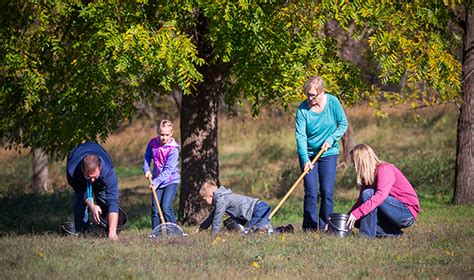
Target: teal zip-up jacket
x,y
313,129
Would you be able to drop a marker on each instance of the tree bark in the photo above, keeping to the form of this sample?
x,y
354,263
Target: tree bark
x,y
199,154
348,142
199,123
464,189
40,171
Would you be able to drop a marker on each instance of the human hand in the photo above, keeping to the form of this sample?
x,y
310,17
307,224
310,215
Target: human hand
x,y
96,211
351,221
326,146
148,175
113,236
308,166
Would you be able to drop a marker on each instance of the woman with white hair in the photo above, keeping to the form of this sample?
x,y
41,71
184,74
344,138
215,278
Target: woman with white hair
x,y
387,201
320,123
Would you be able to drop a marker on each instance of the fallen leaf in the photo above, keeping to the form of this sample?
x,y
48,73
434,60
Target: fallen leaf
x,y
255,264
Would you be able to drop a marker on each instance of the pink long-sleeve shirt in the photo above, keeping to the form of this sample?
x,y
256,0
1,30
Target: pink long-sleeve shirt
x,y
389,180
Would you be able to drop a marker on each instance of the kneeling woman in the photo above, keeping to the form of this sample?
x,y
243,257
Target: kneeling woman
x,y
387,201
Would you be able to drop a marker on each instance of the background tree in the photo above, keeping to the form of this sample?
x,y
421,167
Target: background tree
x,y
255,52
40,171
423,44
464,188
71,70
275,47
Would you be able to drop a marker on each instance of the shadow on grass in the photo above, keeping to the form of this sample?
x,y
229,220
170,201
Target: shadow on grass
x,y
34,213
42,213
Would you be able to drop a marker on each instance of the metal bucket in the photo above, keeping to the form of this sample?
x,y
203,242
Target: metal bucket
x,y
68,228
337,225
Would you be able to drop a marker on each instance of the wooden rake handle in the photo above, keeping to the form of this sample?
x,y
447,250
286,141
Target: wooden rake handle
x,y
162,218
295,185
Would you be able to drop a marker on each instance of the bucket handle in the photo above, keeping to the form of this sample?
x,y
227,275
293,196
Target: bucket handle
x,y
334,226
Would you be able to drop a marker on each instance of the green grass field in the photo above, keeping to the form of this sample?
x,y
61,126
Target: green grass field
x,y
258,158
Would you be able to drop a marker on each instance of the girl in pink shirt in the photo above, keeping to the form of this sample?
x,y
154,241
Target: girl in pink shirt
x,y
387,201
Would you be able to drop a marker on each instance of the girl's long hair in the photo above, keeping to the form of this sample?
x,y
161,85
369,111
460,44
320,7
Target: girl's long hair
x,y
365,163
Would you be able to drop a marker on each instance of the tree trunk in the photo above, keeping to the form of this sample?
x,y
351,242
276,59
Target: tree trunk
x,y
464,189
40,171
199,155
199,117
348,142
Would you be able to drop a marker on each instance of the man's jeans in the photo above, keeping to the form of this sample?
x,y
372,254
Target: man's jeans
x,y
165,198
386,220
324,173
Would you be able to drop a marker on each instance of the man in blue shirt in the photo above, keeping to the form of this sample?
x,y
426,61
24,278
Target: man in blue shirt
x,y
91,174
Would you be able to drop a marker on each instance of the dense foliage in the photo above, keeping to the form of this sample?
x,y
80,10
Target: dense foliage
x,y
71,70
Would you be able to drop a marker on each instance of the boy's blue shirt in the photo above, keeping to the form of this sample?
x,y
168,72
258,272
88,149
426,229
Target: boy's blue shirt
x,y
107,180
313,129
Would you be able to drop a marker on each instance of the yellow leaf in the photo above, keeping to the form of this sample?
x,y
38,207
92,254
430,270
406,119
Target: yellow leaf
x,y
449,253
255,264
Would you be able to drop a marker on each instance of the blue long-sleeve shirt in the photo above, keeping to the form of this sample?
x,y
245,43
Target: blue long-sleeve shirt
x,y
107,180
313,129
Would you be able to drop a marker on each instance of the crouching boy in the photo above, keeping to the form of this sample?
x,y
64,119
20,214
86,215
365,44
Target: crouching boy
x,y
253,213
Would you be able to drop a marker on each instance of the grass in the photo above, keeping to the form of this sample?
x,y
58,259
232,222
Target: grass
x,y
436,247
258,158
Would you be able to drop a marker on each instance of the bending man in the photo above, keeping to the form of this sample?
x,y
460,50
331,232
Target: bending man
x,y
91,174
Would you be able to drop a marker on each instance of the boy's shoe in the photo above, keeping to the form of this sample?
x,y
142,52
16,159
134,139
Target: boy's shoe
x,y
233,224
288,229
270,229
